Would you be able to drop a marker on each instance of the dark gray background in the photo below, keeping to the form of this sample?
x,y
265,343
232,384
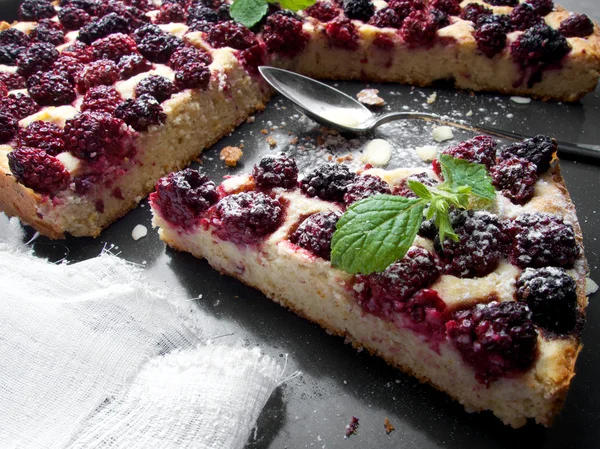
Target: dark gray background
x,y
337,382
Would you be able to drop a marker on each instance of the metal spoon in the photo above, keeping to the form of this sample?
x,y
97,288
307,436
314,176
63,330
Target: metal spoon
x,y
336,110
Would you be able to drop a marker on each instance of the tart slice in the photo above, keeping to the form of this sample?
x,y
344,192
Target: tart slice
x,y
492,317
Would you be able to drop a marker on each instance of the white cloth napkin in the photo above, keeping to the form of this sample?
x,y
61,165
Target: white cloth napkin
x,y
92,355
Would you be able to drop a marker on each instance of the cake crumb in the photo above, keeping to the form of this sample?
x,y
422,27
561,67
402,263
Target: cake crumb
x,y
352,427
139,231
389,428
231,155
271,141
442,133
431,99
251,119
370,97
294,140
520,100
264,131
346,158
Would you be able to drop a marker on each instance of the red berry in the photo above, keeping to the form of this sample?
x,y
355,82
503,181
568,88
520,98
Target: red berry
x,y
114,47
323,10
73,18
386,18
576,25
12,80
490,38
186,55
419,29
253,57
67,67
342,33
230,34
79,51
8,127
132,65
101,72
524,16
101,99
46,136
51,89
38,170
542,7
194,75
479,150
450,7
403,189
19,105
169,13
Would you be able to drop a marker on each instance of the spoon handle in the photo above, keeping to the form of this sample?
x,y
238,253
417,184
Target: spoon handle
x,y
577,150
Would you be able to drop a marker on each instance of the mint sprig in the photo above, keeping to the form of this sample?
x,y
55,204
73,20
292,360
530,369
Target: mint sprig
x,y
250,12
375,232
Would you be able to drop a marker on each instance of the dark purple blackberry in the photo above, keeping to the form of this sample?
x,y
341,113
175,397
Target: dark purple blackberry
x,y
194,75
253,57
12,44
516,178
200,13
92,7
170,13
141,113
200,25
428,230
328,181
43,135
8,127
384,294
114,47
473,11
80,51
314,233
543,240
539,44
405,7
12,80
496,339
97,29
38,170
275,171
132,65
402,188
440,18
503,2
181,197
135,17
102,72
246,218
364,186
158,47
490,38
450,7
73,18
502,20
359,9
34,10
284,35
51,89
48,31
156,86
142,5
419,29
97,137
3,90
386,18
342,33
323,10
479,150
542,7
67,67
186,55
19,105
101,99
576,25
427,313
524,16
214,4
223,12
539,150
481,244
37,57
230,34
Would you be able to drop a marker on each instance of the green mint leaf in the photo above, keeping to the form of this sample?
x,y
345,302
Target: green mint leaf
x,y
294,5
442,222
375,232
248,12
419,188
459,173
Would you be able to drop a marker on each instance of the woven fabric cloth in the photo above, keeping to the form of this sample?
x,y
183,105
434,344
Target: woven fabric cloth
x,y
92,355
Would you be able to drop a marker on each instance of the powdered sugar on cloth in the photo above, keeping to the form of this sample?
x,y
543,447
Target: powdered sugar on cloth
x,y
94,355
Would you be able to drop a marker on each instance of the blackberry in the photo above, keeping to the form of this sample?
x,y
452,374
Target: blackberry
x,y
102,72
79,51
12,44
194,75
134,17
386,17
73,18
170,13
403,189
230,34
481,244
502,20
186,55
141,113
101,99
524,16
8,127
450,7
38,170
543,240
479,150
158,47
427,313
156,86
48,31
428,229
97,29
142,5
551,295
253,57
34,10
539,44
359,9
114,47
38,57
97,137
3,90
284,35
51,89
342,33
365,186
19,105
440,18
92,7
418,29
404,7
200,25
67,67
323,11
181,197
200,13
490,38
516,177
12,80
86,183
542,7
43,135
385,294
328,181
275,171
246,218
503,2
539,150
223,12
132,65
496,339
315,232
473,11
576,25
